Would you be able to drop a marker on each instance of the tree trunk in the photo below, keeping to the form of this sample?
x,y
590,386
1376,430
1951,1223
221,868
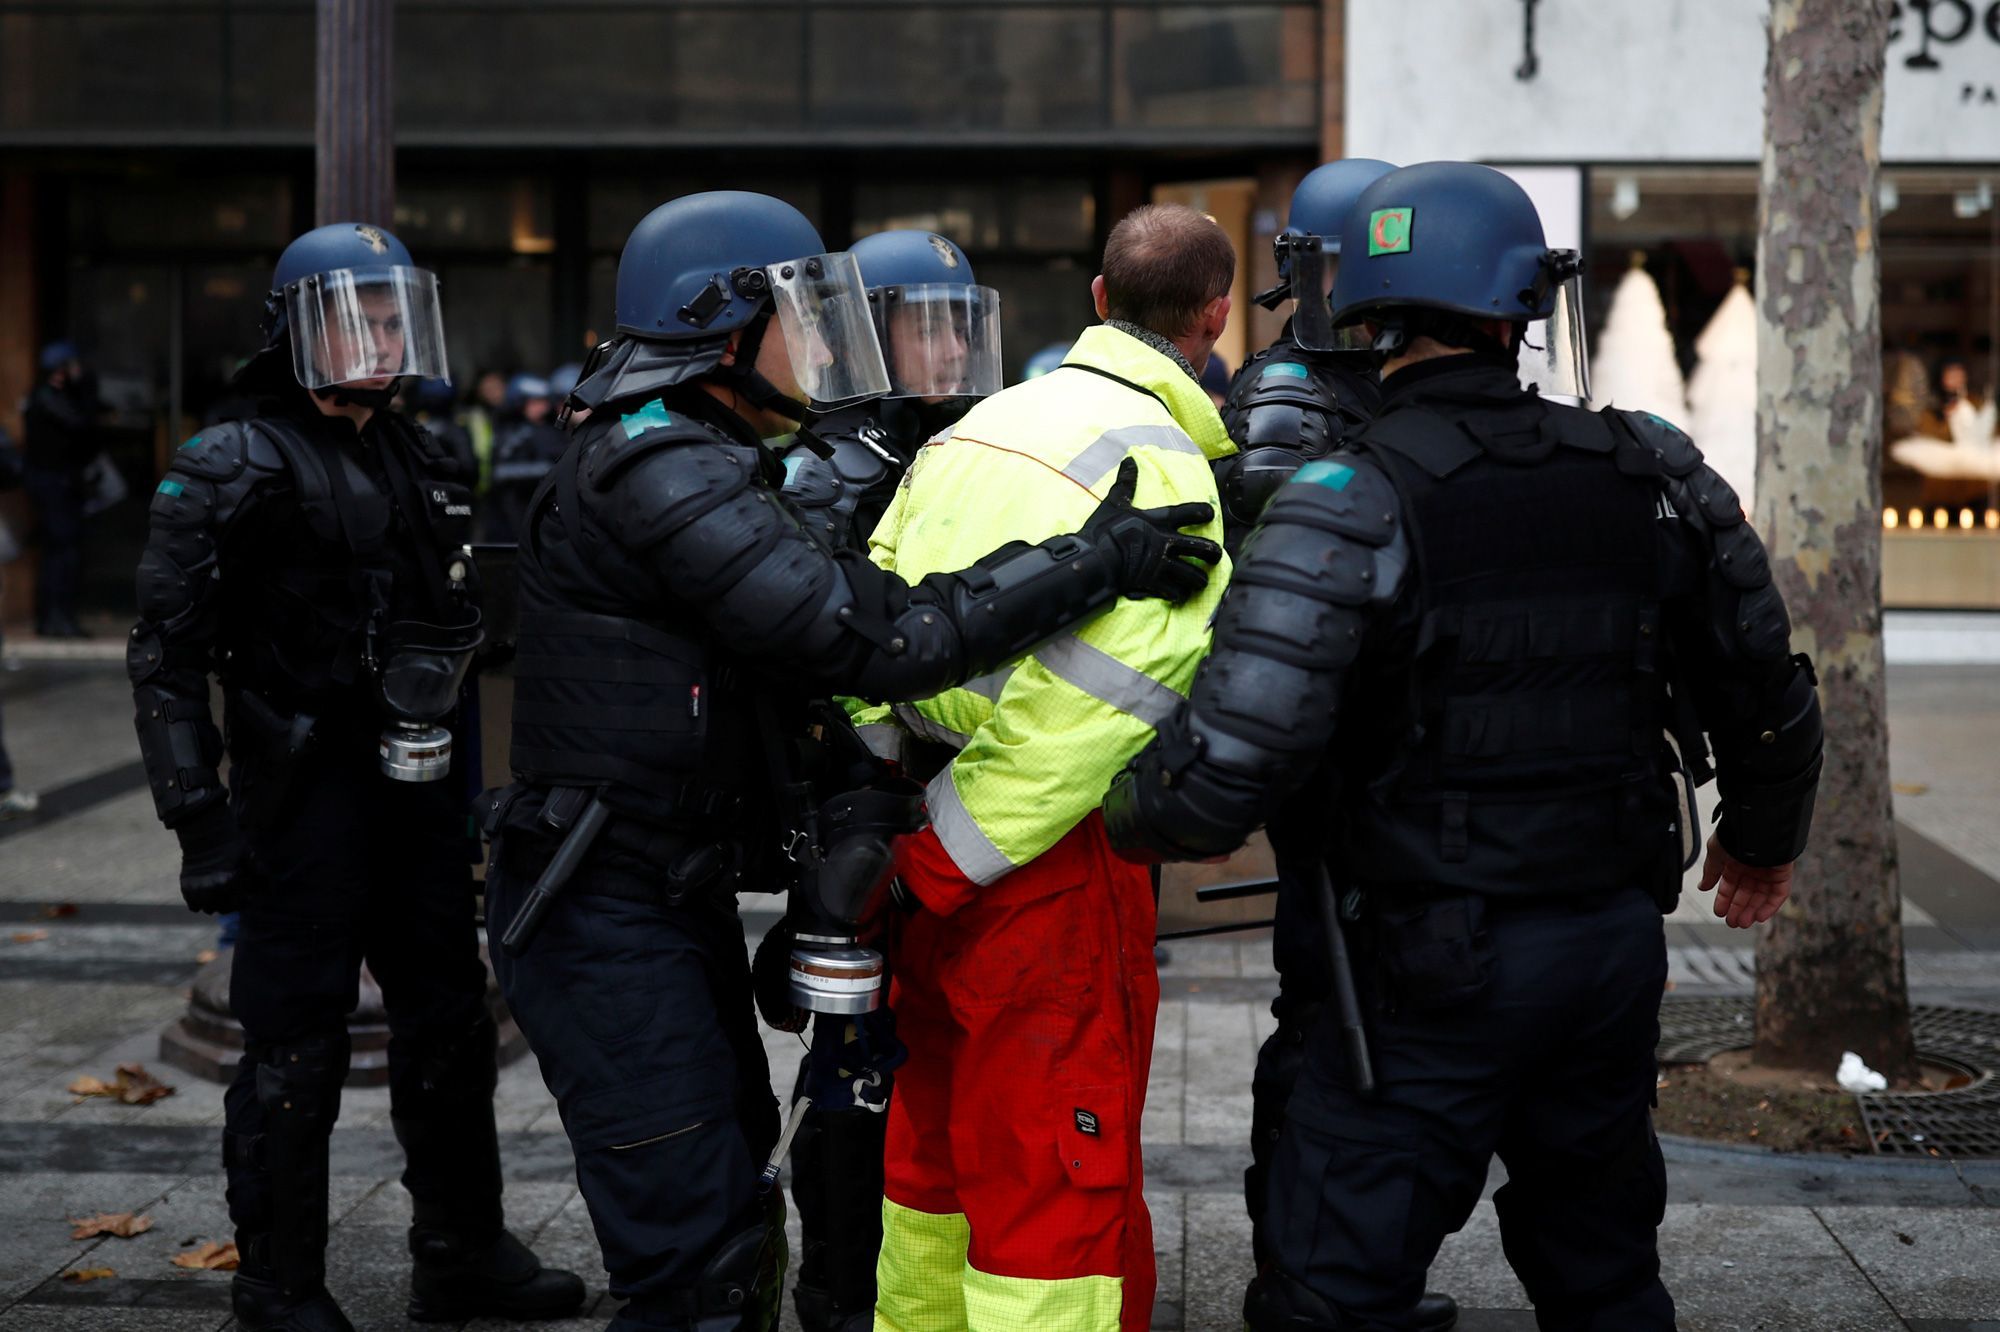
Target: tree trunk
x,y
354,131
1830,969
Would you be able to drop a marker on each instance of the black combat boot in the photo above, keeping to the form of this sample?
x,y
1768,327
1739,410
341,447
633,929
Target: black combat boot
x,y
495,1276
280,1112
740,1288
1436,1313
1276,1303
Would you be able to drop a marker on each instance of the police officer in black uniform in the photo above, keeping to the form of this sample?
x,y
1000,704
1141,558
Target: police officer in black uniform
x,y
309,556
1299,397
1293,403
678,621
1462,645
940,336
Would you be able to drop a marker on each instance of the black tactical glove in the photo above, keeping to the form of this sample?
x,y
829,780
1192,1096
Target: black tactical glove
x,y
1145,546
215,863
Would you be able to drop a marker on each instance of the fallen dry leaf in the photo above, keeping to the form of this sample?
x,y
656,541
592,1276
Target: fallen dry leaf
x,y
84,1274
59,911
31,936
210,1257
206,956
131,1084
122,1224
1910,788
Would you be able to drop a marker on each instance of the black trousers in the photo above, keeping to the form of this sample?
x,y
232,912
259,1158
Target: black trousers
x,y
1551,1067
58,501
1298,947
642,1018
354,866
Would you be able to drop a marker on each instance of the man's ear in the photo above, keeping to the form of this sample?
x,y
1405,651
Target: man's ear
x,y
729,351
1098,297
1215,317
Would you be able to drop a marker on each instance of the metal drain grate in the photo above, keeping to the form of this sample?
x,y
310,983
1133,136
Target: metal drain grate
x,y
1960,1123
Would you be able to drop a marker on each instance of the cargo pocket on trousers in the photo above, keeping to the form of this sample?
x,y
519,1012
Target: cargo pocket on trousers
x,y
1093,1138
639,1114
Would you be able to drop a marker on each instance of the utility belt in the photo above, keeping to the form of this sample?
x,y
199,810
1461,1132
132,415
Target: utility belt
x,y
642,848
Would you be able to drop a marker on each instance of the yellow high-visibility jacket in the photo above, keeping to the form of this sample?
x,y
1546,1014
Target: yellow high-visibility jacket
x,y
1039,740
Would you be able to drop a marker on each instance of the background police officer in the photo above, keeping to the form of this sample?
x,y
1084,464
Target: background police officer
x,y
1296,399
677,622
1477,626
307,556
940,337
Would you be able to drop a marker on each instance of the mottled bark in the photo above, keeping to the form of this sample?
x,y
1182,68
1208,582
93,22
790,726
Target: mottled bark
x,y
1830,970
354,131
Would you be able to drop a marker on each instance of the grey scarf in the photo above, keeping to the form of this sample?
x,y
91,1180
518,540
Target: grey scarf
x,y
1157,343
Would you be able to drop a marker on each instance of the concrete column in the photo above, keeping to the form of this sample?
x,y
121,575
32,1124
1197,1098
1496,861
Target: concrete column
x,y
354,132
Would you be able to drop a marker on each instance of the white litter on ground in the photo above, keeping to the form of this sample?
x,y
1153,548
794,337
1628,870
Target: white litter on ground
x,y
1855,1076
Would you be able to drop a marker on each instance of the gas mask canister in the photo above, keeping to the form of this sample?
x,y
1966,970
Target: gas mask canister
x,y
419,678
844,885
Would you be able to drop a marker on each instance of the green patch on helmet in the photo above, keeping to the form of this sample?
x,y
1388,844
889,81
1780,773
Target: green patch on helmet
x,y
1389,230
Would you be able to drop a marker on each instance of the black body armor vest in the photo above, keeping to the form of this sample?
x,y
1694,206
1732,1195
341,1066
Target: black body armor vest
x,y
1528,756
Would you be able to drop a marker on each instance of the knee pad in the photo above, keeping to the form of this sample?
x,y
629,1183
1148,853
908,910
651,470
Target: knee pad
x,y
741,1285
298,1082
1276,1303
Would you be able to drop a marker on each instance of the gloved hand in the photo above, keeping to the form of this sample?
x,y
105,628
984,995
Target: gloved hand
x,y
216,874
1146,548
771,980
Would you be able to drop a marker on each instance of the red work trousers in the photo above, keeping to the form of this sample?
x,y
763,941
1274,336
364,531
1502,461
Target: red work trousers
x,y
1029,1016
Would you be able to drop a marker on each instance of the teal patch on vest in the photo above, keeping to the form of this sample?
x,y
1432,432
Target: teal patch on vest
x,y
652,416
171,487
1332,475
1659,420
191,443
792,465
1287,369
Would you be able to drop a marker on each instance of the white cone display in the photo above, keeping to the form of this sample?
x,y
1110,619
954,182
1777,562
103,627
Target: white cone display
x,y
1635,367
1722,392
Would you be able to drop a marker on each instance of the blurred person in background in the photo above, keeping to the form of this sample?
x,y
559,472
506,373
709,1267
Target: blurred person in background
x,y
59,425
485,409
525,447
14,801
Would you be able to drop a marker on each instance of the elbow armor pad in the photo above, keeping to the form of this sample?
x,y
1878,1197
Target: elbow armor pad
x,y
1769,788
1330,549
1020,595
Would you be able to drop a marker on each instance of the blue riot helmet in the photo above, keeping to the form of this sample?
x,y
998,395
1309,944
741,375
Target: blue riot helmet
x,y
433,395
357,310
58,356
1308,250
939,329
523,389
1432,248
704,266
562,380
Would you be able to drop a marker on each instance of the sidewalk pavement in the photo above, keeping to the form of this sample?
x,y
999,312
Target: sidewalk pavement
x,y
1751,1241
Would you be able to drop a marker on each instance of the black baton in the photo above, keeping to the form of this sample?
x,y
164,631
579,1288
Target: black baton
x,y
1352,1034
521,930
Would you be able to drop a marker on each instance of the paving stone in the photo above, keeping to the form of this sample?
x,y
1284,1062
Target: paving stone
x,y
1763,1269
34,1222
1928,1263
1471,1268
1221,1055
1218,1262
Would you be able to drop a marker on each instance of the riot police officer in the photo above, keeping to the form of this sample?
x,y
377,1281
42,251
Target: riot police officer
x,y
308,556
1299,397
524,449
678,622
1462,645
940,336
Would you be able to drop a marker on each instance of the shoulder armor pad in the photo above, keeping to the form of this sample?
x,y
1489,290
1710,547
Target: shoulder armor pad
x,y
1348,495
811,482
859,465
1577,428
661,489
222,452
1740,557
1666,441
637,434
1716,498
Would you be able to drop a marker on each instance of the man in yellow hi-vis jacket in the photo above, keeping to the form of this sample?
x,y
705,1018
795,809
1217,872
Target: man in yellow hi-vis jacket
x,y
1024,983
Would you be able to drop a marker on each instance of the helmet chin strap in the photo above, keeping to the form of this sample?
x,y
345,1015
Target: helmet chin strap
x,y
374,399
759,391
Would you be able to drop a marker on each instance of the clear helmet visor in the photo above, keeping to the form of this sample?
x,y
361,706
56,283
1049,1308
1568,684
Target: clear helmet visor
x,y
1311,266
940,340
354,325
1554,358
823,313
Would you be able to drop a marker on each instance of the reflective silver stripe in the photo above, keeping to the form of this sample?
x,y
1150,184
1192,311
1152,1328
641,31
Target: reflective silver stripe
x,y
990,685
967,844
884,740
921,725
1105,452
1104,677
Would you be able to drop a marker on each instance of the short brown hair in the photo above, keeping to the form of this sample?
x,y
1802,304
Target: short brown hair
x,y
1162,264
